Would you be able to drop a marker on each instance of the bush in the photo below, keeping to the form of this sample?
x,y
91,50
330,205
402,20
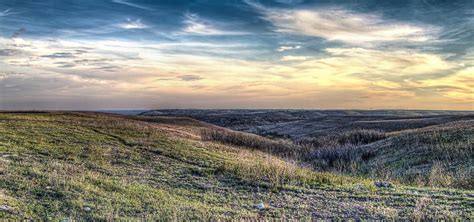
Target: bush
x,y
280,147
464,177
346,158
439,177
344,151
361,136
353,137
341,152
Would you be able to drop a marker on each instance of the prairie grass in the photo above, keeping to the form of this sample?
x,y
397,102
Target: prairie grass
x,y
54,166
57,164
374,153
283,148
278,173
439,177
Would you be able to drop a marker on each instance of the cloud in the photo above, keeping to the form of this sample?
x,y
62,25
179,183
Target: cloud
x,y
190,77
337,24
284,48
128,3
58,55
294,58
290,2
65,64
410,77
10,52
342,77
7,12
131,24
6,75
396,62
18,33
198,26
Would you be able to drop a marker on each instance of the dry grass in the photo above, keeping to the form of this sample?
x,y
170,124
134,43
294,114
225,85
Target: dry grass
x,y
52,165
422,211
439,177
256,168
342,152
360,136
282,148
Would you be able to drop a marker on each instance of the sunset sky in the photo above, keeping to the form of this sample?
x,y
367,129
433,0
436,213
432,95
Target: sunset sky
x,y
144,54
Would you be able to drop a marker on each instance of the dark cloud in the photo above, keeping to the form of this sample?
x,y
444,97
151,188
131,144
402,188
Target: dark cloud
x,y
187,78
18,33
190,77
10,52
65,64
108,68
90,61
60,55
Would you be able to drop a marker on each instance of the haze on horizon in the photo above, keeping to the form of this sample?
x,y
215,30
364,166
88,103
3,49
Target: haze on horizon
x,y
139,54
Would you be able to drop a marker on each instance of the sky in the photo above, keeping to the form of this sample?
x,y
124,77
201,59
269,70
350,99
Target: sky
x,y
149,54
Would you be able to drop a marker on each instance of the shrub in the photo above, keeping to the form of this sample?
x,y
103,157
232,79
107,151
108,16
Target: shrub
x,y
344,151
344,158
464,177
280,147
361,136
348,138
439,177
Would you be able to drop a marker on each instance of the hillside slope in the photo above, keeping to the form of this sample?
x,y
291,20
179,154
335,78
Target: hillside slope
x,y
98,166
440,155
413,155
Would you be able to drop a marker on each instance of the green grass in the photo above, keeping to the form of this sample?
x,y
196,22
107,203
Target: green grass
x,y
55,165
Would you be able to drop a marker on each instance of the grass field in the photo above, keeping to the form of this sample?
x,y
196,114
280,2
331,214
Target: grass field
x,y
71,165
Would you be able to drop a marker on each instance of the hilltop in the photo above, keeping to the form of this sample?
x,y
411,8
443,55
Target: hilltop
x,y
57,165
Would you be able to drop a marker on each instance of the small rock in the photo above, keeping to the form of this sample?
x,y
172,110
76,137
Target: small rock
x,y
260,206
5,208
87,209
383,184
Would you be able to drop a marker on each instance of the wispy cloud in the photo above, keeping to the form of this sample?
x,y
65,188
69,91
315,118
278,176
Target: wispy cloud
x,y
190,77
294,58
5,13
132,24
128,3
8,12
198,26
290,2
10,52
370,64
57,55
284,48
337,24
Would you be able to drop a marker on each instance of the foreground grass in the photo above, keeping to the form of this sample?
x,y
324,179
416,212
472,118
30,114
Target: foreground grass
x,y
103,167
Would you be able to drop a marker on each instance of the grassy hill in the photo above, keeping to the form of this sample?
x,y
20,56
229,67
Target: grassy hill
x,y
102,167
300,124
440,155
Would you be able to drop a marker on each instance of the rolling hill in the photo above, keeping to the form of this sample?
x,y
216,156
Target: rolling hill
x,y
76,165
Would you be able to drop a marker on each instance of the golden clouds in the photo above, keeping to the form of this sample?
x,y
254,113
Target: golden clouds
x,y
342,78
